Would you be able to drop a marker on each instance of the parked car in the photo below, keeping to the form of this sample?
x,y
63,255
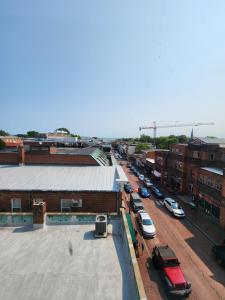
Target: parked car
x,y
219,253
141,177
129,165
143,192
137,173
136,202
168,265
146,224
157,192
174,207
148,182
128,188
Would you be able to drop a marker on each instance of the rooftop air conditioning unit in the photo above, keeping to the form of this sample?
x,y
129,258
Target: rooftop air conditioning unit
x,y
101,226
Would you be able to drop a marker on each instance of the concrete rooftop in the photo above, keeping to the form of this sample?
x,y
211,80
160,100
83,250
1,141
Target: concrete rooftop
x,y
64,262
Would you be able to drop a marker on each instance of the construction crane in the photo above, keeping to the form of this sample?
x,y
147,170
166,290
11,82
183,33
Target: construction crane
x,y
154,127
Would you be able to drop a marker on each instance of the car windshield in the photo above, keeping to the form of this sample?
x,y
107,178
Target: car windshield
x,y
147,222
170,263
144,190
176,205
147,180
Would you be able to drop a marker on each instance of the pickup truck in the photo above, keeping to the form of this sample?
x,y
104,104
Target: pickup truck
x,y
219,253
168,265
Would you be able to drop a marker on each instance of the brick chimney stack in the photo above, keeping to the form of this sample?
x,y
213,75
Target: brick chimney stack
x,y
21,155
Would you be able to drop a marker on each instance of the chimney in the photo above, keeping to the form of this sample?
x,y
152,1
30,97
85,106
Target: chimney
x,y
21,155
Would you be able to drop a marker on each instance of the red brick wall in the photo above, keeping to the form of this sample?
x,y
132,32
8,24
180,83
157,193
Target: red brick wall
x,y
59,159
91,201
5,201
9,158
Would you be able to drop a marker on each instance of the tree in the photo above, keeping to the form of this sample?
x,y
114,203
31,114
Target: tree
x,y
32,133
2,144
183,139
3,133
142,146
76,135
145,139
63,129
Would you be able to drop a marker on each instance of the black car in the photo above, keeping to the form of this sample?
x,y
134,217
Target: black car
x,y
157,193
219,252
128,188
136,202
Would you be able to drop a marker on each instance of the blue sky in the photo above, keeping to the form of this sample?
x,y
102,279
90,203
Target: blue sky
x,y
104,68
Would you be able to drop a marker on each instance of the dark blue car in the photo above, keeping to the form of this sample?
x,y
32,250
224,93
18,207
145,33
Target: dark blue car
x,y
143,192
157,193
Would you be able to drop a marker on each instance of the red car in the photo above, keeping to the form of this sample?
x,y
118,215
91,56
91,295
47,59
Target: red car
x,y
165,260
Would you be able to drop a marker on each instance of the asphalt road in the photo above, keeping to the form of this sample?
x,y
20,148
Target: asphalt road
x,y
191,247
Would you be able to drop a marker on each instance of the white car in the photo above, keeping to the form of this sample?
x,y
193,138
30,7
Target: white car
x,y
174,207
146,224
141,177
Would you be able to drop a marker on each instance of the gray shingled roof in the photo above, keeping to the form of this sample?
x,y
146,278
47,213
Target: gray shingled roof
x,y
61,178
209,140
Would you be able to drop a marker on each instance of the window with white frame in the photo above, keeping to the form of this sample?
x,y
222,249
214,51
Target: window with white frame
x,y
16,204
65,205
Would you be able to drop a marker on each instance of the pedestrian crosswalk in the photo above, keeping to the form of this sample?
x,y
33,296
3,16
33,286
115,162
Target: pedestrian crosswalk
x,y
159,203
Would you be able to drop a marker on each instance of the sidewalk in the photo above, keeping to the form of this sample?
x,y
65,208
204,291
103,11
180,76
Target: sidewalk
x,y
211,230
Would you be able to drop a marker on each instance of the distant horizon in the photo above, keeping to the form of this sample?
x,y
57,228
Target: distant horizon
x,y
116,138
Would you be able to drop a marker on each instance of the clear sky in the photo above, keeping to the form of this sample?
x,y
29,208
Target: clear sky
x,y
104,68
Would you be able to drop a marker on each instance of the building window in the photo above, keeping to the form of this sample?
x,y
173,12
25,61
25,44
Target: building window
x,y
196,154
201,179
218,186
67,204
211,156
209,182
16,204
215,212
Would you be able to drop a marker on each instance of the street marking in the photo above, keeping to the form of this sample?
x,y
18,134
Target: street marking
x,y
158,203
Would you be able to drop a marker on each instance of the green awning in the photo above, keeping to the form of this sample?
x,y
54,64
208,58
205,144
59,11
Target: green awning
x,y
131,228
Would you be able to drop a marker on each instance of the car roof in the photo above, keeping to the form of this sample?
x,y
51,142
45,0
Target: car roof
x,y
166,252
144,214
170,200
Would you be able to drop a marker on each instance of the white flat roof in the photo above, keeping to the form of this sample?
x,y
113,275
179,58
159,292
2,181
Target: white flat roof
x,y
213,170
61,178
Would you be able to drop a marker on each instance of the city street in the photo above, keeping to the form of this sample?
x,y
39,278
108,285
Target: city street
x,y
190,245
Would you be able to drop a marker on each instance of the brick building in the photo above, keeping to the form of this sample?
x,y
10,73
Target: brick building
x,y
46,154
63,189
12,141
197,169
177,165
